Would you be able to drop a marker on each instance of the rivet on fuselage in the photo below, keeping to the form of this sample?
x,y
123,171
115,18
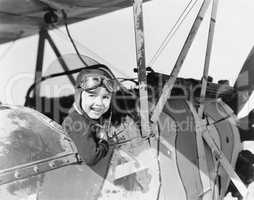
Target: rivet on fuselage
x,y
52,164
17,174
36,169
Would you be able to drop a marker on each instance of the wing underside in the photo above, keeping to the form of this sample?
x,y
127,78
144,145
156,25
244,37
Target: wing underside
x,y
22,18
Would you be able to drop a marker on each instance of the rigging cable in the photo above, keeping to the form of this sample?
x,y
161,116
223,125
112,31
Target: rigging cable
x,y
171,33
7,50
93,54
69,35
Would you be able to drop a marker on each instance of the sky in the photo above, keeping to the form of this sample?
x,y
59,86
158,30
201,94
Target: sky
x,y
111,36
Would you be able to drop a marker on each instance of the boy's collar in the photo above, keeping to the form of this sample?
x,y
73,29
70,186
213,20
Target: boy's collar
x,y
76,108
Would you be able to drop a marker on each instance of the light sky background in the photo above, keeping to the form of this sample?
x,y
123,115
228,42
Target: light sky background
x,y
111,36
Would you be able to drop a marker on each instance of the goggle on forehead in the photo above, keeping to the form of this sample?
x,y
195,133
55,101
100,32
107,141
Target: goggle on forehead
x,y
94,81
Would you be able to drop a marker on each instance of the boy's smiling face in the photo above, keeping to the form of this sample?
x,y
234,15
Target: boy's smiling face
x,y
95,102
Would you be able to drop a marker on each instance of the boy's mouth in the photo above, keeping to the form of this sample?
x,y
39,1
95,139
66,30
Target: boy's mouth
x,y
98,110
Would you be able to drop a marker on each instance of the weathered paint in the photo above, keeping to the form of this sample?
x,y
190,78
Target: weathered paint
x,y
141,64
142,181
27,136
77,182
135,169
203,157
167,160
186,147
178,134
228,136
30,144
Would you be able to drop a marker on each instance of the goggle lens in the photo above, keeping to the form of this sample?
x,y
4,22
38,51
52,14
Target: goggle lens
x,y
93,82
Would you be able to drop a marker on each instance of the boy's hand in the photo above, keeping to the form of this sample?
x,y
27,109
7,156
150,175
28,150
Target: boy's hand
x,y
102,135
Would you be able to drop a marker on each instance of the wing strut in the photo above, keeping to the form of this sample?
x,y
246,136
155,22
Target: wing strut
x,y
39,61
203,163
225,163
207,58
58,55
205,134
166,91
44,35
140,56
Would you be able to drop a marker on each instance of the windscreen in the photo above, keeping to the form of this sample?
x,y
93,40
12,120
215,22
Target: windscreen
x,y
63,85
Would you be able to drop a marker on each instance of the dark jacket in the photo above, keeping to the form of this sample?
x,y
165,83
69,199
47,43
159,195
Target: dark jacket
x,y
82,130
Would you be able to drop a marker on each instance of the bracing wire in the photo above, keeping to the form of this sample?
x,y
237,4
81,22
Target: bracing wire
x,y
87,49
172,32
80,44
7,50
69,35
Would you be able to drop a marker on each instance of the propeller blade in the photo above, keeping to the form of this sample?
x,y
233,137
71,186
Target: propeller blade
x,y
244,84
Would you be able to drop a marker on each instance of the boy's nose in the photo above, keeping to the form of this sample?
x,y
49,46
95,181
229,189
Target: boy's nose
x,y
98,101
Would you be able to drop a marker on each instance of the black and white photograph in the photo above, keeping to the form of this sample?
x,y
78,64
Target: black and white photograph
x,y
126,100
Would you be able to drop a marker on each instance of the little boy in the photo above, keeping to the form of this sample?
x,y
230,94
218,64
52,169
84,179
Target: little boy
x,y
88,121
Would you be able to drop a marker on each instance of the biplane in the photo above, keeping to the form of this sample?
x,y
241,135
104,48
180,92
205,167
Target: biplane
x,y
186,142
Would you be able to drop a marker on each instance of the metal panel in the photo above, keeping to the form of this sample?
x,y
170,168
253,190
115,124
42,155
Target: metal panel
x,y
31,143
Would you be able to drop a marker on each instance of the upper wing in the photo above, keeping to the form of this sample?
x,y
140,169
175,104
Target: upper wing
x,y
21,18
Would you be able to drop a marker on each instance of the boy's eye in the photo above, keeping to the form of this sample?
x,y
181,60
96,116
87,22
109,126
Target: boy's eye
x,y
91,95
106,97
